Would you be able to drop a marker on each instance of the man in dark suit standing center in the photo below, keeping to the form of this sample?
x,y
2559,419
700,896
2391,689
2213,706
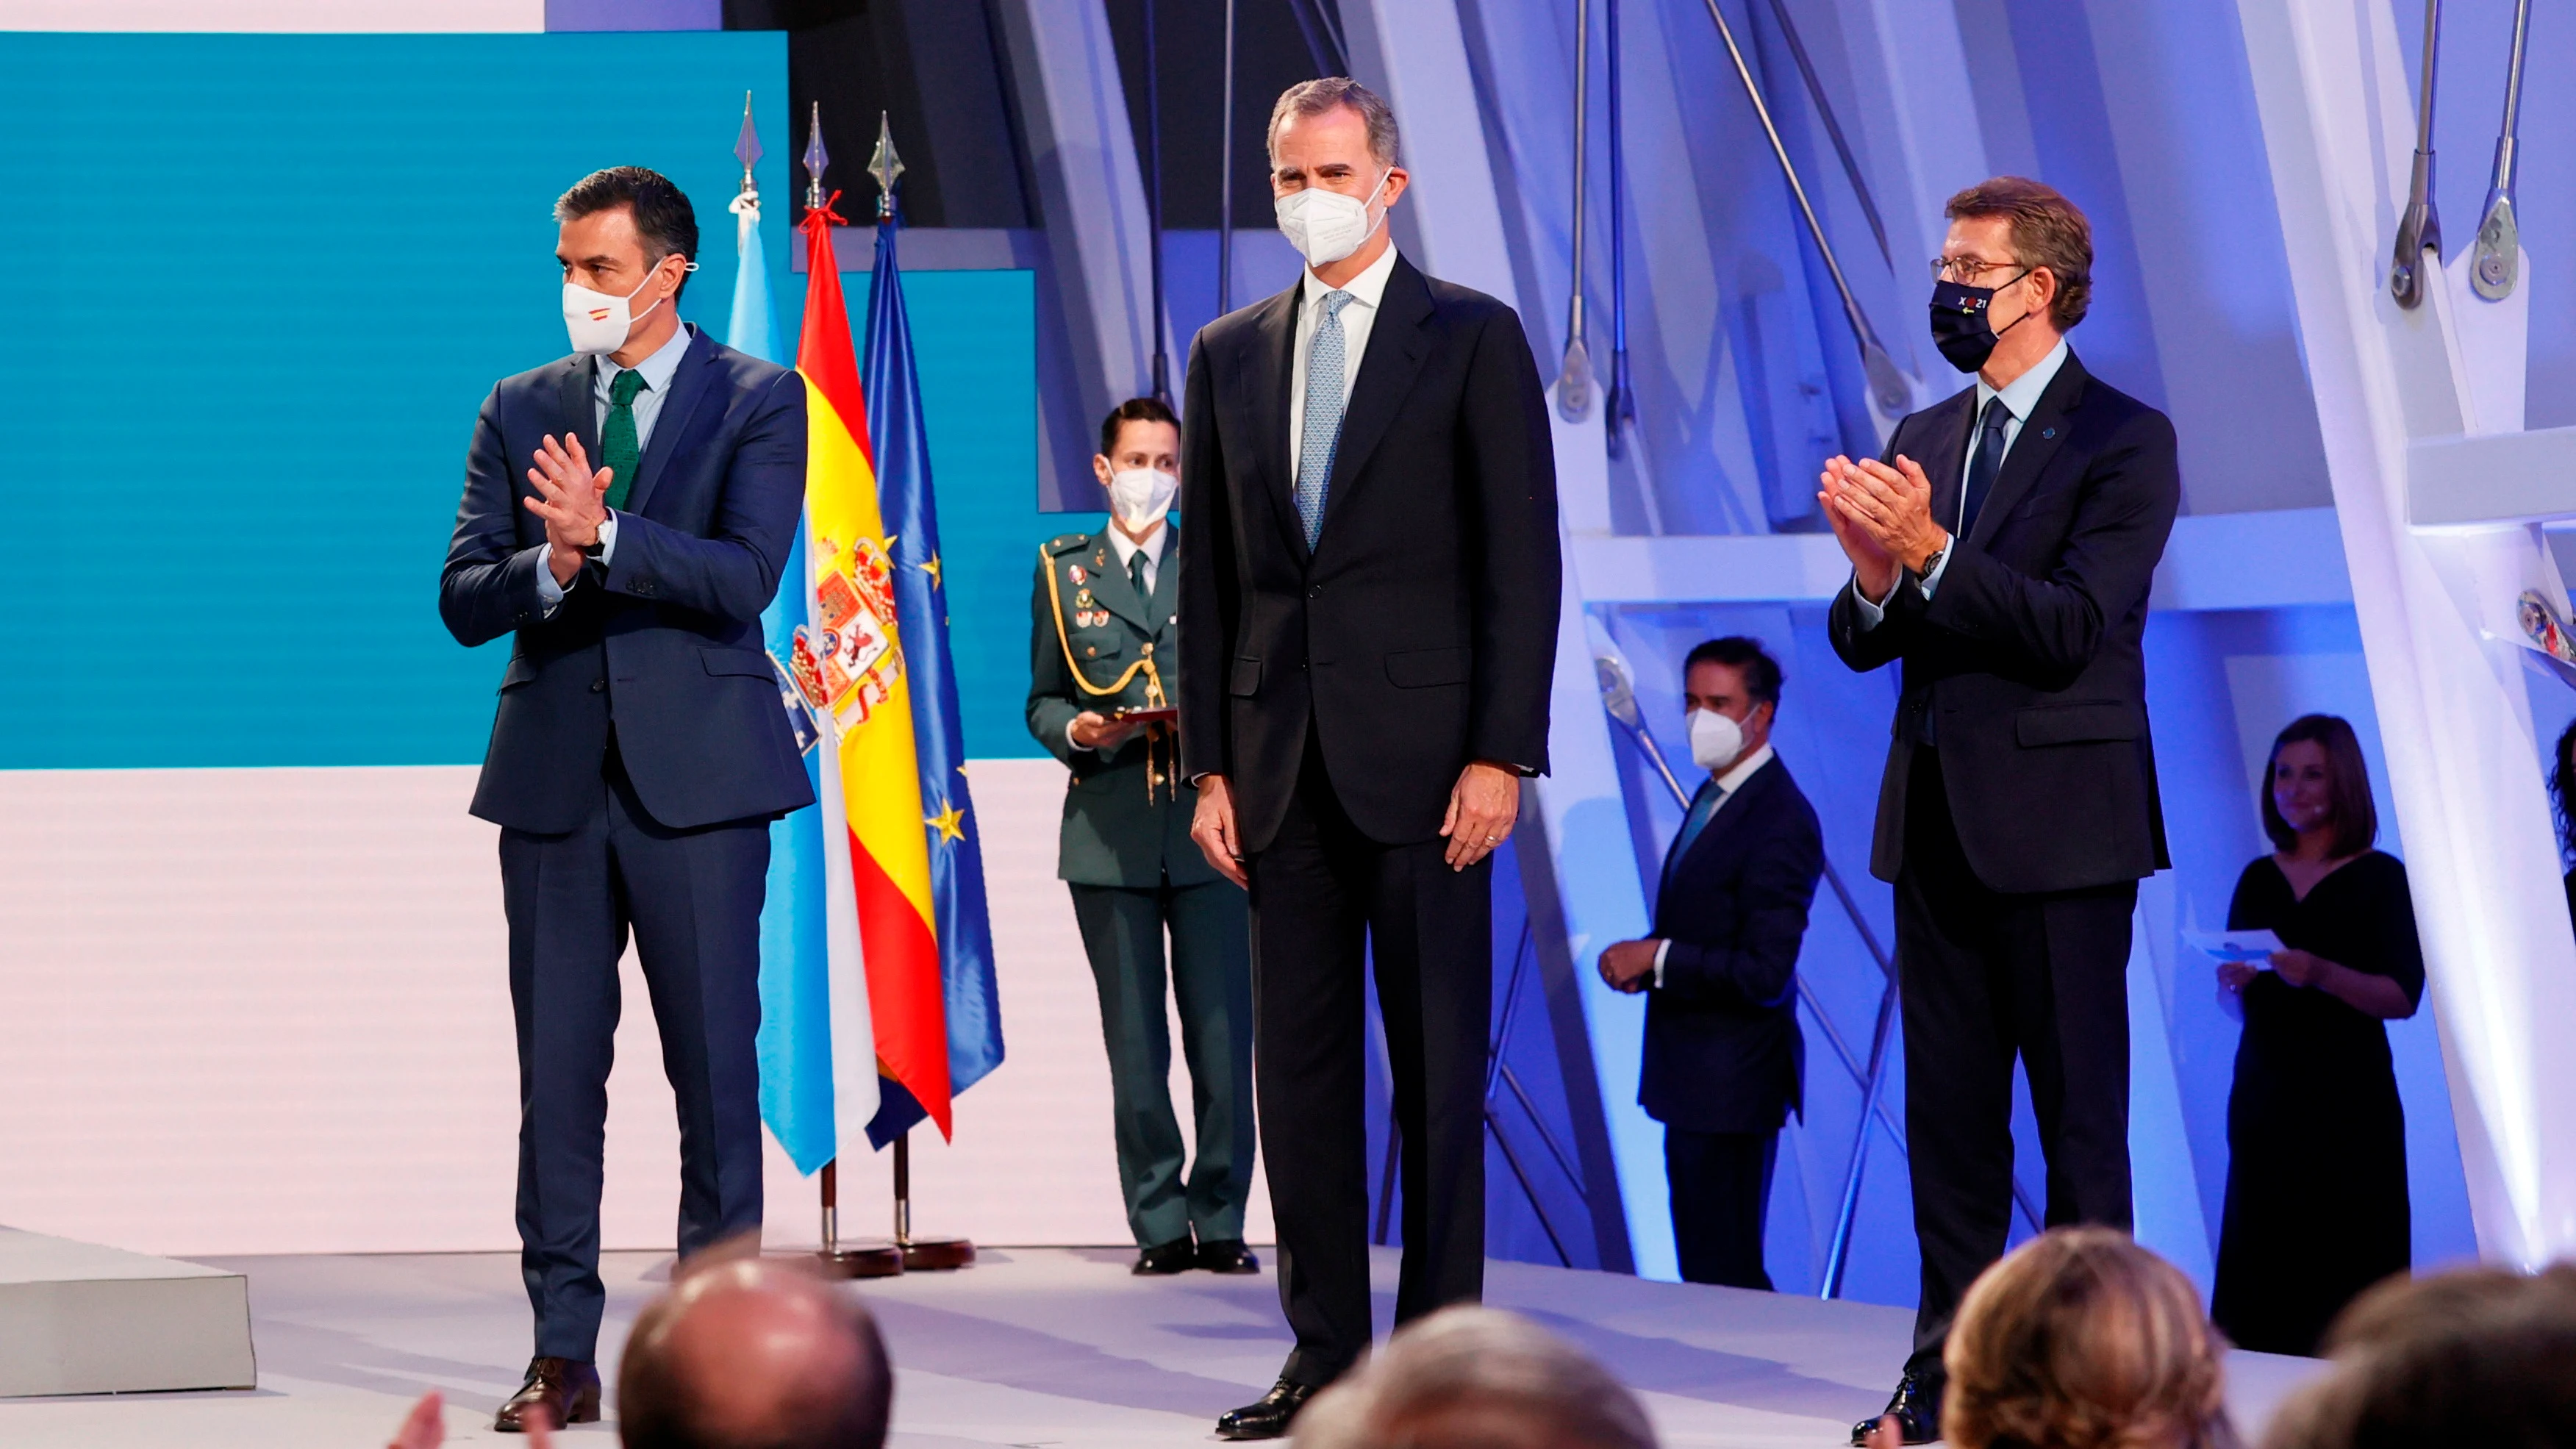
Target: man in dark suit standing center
x,y
2003,551
1368,626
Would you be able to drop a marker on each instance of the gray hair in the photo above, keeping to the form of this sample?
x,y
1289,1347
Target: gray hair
x,y
1471,1375
1315,97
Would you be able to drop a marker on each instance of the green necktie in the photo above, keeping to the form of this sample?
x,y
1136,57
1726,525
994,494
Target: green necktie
x,y
618,451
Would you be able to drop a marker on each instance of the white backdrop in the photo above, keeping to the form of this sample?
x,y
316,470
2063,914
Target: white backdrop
x,y
266,1011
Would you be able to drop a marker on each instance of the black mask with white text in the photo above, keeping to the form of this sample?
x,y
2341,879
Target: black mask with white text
x,y
1959,324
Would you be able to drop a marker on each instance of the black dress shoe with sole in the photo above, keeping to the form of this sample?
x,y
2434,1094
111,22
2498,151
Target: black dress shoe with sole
x,y
567,1389
1227,1255
1916,1408
1269,1416
1177,1256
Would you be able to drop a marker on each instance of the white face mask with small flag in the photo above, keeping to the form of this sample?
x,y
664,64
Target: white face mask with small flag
x,y
599,321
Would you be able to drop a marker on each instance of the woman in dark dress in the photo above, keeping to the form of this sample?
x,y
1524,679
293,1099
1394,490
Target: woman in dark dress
x,y
2316,1179
2562,801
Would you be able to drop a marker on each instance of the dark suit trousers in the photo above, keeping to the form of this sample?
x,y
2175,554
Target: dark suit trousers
x,y
1721,1195
1211,975
1984,976
692,899
1322,893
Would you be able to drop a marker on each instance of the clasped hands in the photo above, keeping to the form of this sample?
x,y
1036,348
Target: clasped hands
x,y
1483,807
572,499
1882,516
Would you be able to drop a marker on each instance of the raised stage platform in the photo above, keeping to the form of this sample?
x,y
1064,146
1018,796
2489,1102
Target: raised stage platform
x,y
1032,1346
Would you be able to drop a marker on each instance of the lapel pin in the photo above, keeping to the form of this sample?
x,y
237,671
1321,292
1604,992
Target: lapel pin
x,y
2048,432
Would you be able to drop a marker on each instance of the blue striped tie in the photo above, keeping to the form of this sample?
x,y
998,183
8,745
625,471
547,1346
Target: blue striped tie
x,y
1323,422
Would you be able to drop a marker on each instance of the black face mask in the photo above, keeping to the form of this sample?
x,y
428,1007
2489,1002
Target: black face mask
x,y
1959,325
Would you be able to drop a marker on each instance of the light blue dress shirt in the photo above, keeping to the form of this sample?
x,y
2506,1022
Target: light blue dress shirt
x,y
2020,396
657,370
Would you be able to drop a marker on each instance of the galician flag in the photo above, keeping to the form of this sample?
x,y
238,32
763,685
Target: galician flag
x,y
851,665
812,980
960,925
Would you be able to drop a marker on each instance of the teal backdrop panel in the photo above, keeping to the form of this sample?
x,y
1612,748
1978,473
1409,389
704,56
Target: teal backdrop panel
x,y
233,429
259,286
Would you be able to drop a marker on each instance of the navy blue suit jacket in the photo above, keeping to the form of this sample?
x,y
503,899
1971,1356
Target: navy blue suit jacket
x,y
665,643
1723,1048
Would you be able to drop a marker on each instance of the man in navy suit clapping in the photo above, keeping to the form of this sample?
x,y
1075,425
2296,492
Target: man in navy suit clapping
x,y
1724,1061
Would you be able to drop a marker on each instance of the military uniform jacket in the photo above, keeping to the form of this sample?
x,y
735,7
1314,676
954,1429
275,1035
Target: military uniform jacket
x,y
1126,816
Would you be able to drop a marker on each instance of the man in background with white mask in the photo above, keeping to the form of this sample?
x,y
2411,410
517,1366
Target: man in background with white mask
x,y
627,511
1368,629
1725,1063
1103,678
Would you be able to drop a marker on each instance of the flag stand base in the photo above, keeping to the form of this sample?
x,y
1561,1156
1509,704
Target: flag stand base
x,y
861,1258
921,1255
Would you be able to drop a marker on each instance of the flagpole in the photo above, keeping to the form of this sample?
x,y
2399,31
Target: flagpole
x,y
862,1259
920,1255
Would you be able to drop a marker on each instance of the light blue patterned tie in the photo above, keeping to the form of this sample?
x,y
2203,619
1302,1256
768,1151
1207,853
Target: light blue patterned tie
x,y
1702,810
1324,406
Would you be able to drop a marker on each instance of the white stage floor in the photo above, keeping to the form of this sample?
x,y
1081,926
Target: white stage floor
x,y
1054,1347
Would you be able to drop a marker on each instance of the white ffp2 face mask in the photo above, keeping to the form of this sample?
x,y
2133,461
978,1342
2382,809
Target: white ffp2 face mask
x,y
598,321
1326,226
1141,496
1715,740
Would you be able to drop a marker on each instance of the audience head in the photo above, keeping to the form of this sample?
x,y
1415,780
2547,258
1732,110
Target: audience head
x,y
744,1353
2562,788
1731,677
2316,781
2081,1339
1476,1378
2481,1356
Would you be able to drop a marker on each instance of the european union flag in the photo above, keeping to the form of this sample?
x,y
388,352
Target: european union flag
x,y
902,455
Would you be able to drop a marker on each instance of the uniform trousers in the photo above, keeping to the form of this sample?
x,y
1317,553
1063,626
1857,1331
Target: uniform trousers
x,y
1985,976
1122,933
1327,901
692,899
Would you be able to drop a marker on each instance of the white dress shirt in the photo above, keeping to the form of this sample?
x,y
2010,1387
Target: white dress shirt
x,y
1358,315
657,368
1156,541
1727,784
2020,396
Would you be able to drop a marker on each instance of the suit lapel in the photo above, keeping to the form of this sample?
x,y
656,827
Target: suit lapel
x,y
2038,441
1167,581
1716,833
1274,345
1947,459
580,410
1396,346
688,386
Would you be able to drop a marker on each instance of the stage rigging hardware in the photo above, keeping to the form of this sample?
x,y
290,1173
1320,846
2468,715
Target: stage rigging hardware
x,y
1619,406
1574,373
1162,366
1619,700
2419,229
2497,263
1225,177
1891,391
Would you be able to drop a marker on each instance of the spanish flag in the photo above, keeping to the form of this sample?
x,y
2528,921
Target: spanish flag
x,y
849,663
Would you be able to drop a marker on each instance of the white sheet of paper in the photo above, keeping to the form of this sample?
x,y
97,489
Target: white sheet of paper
x,y
2253,947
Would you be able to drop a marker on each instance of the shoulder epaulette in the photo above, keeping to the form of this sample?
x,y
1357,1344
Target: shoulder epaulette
x,y
1067,543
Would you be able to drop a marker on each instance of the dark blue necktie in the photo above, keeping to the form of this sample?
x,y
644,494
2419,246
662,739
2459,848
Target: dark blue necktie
x,y
1985,462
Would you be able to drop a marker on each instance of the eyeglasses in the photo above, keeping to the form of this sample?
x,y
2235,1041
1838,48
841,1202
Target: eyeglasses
x,y
1966,270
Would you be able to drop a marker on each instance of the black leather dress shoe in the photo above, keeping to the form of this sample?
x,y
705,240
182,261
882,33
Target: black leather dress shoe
x,y
567,1389
1177,1256
1227,1255
1269,1417
1916,1408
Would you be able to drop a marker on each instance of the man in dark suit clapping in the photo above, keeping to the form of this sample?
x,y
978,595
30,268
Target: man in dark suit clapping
x,y
1367,629
2002,551
1724,1060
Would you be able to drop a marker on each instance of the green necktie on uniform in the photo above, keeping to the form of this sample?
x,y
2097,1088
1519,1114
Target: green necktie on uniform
x,y
1136,576
618,451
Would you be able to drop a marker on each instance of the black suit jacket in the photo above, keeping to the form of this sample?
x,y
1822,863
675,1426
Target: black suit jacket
x,y
1723,1048
664,644
1420,632
2026,660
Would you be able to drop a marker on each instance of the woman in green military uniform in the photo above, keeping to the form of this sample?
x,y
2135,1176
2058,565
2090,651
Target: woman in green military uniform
x,y
1102,684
